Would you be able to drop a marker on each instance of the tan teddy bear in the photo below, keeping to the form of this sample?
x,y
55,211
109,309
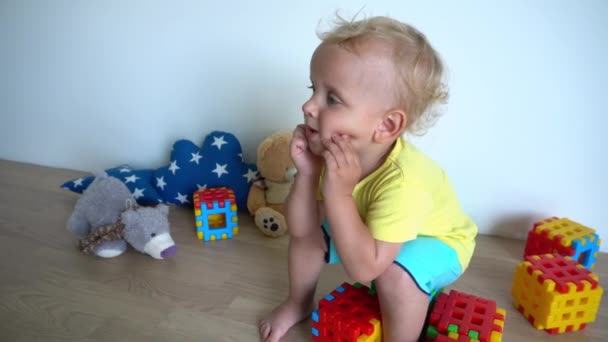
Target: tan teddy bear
x,y
266,196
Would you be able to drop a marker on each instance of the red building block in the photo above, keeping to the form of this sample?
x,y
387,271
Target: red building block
x,y
214,195
564,237
459,314
444,338
348,314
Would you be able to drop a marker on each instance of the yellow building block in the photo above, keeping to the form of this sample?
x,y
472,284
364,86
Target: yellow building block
x,y
556,293
496,336
568,229
499,322
453,335
376,336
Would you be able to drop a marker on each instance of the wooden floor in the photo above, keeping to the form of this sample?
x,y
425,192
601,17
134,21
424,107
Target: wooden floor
x,y
209,292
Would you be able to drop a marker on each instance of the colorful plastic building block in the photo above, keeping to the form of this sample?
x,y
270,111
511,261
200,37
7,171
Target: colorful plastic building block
x,y
555,293
436,337
463,317
215,213
565,237
350,313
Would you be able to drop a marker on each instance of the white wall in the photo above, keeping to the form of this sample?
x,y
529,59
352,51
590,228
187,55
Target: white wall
x,y
91,84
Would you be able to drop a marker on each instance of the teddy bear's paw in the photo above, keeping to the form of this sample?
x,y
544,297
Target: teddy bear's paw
x,y
271,222
110,249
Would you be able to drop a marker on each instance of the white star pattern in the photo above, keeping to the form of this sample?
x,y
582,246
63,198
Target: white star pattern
x,y
78,182
220,170
218,142
203,187
160,182
195,157
250,175
174,166
182,198
131,178
124,170
137,193
240,155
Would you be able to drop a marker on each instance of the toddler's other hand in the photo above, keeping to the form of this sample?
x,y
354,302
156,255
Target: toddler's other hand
x,y
342,167
305,161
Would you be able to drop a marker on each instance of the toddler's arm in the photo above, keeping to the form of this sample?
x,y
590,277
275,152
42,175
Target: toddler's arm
x,y
301,206
363,257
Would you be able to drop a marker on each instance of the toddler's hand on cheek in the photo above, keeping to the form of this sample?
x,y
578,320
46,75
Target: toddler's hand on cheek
x,y
304,160
343,169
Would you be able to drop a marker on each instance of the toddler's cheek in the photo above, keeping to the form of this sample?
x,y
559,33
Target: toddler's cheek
x,y
316,147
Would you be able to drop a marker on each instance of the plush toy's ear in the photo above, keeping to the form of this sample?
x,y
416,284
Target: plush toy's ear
x,y
130,204
164,209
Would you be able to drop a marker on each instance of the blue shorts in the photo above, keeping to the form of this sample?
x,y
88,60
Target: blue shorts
x,y
430,262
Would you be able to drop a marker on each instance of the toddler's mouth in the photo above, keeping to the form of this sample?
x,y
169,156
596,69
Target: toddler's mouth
x,y
310,131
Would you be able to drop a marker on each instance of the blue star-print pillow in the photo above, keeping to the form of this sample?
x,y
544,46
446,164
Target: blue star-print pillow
x,y
139,183
219,162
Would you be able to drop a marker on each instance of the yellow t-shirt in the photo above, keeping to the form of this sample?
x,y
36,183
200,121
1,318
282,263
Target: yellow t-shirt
x,y
410,195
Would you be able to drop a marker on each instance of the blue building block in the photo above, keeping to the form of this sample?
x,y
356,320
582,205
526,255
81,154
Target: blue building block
x,y
215,214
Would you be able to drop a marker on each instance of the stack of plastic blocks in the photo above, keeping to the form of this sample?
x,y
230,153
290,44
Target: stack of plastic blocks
x,y
556,293
215,213
350,313
564,237
463,317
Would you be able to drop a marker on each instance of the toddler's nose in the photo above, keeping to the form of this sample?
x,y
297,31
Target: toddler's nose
x,y
308,108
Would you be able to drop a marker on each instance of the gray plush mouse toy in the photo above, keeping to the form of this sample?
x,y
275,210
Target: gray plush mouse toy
x,y
106,218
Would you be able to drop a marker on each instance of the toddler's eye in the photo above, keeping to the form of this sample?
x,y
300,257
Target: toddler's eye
x,y
311,87
331,99
153,234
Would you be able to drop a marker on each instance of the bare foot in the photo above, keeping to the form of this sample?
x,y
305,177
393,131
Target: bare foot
x,y
281,319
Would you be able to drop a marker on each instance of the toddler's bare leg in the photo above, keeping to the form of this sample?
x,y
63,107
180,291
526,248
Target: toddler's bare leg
x,y
403,305
306,259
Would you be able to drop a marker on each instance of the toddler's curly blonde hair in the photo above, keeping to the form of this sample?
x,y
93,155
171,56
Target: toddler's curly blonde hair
x,y
420,69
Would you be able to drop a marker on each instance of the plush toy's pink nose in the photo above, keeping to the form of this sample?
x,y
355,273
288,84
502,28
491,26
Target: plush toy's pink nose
x,y
169,252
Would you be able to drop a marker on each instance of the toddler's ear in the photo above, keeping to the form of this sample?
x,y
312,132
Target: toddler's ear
x,y
390,126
